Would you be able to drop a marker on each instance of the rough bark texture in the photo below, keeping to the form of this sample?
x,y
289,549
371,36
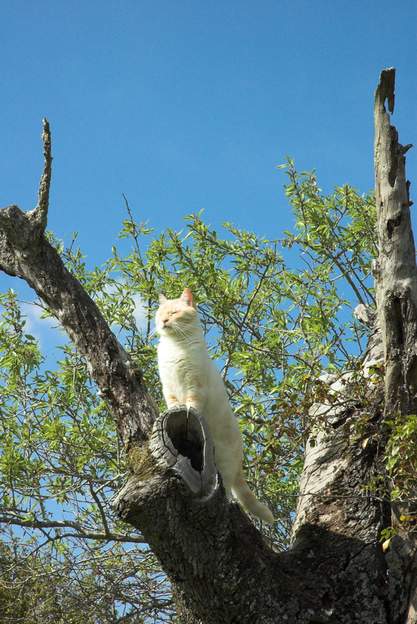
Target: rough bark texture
x,y
396,284
396,272
221,569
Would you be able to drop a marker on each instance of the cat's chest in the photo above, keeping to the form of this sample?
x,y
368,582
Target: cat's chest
x,y
179,360
181,365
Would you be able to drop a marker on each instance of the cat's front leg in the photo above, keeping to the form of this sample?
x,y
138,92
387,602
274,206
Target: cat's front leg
x,y
171,400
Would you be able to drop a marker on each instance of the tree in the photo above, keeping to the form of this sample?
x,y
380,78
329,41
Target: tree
x,y
352,555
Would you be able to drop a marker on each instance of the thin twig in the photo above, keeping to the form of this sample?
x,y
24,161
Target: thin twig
x,y
81,532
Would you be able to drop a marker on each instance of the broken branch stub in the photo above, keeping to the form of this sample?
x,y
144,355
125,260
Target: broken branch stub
x,y
181,441
179,456
395,268
40,213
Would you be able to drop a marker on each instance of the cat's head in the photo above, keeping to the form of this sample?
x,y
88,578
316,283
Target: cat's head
x,y
177,317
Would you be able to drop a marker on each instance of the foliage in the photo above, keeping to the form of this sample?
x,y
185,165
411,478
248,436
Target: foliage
x,y
35,588
272,327
401,457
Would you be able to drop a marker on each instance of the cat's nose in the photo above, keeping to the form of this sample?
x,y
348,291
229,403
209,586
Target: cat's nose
x,y
165,321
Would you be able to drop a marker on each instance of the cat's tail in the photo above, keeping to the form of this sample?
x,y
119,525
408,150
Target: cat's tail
x,y
249,501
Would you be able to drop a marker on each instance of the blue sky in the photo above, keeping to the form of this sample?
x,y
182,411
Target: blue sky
x,y
189,104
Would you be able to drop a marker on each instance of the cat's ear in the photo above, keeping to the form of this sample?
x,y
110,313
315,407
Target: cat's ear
x,y
187,297
162,298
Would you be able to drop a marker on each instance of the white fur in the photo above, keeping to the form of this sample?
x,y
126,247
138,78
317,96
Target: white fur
x,y
190,378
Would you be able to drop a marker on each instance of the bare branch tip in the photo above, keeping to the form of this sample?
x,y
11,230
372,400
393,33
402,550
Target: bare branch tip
x,y
46,139
41,210
386,88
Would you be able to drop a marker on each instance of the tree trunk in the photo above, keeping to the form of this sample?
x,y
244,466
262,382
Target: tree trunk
x,y
221,569
395,268
396,287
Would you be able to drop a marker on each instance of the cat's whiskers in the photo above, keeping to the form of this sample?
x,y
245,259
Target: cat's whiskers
x,y
176,327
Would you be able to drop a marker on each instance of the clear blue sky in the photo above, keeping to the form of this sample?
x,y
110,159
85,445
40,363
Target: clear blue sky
x,y
184,105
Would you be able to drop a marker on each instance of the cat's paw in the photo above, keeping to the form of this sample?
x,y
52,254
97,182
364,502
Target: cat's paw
x,y
194,407
175,406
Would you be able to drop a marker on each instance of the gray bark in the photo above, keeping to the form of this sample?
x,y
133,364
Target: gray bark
x,y
395,268
220,566
396,287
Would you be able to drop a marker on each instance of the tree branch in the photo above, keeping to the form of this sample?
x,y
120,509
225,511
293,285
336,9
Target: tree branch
x,y
40,214
100,509
26,253
81,532
396,272
396,288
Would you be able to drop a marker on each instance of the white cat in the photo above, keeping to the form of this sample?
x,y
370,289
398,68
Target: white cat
x,y
190,378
